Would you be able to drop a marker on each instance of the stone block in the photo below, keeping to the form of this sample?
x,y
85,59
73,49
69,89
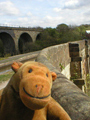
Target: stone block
x,y
75,59
79,81
73,45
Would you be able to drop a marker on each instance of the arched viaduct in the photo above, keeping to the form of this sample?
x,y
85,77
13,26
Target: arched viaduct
x,y
11,38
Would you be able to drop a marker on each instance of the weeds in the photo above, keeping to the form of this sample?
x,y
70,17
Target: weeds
x,y
61,66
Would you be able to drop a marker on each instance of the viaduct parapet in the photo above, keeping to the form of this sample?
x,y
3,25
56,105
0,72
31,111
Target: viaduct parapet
x,y
72,61
11,38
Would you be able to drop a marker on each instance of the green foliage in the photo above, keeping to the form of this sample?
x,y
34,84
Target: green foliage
x,y
6,76
87,85
51,31
61,66
5,56
88,79
62,28
47,38
30,46
74,77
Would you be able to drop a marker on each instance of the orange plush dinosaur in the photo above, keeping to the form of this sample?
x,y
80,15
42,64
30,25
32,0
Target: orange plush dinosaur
x,y
28,94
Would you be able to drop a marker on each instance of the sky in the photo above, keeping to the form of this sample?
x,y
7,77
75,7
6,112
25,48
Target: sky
x,y
44,13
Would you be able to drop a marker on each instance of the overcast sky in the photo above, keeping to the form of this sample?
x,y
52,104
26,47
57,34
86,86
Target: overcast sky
x,y
44,13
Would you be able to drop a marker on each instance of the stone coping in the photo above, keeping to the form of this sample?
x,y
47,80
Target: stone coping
x,y
71,98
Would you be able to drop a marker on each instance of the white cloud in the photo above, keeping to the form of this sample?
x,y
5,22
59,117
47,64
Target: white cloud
x,y
34,21
76,4
71,3
29,14
24,19
48,17
87,13
8,8
57,9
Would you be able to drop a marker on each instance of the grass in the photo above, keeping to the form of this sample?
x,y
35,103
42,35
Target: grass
x,y
6,76
5,57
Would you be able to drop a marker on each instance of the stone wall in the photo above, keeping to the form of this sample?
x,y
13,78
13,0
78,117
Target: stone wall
x,y
72,60
59,57
64,91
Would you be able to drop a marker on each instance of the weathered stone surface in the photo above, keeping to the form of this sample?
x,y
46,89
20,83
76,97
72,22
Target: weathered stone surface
x,y
72,99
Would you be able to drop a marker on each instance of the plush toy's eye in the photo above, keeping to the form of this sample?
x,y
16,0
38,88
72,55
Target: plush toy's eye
x,y
30,71
46,74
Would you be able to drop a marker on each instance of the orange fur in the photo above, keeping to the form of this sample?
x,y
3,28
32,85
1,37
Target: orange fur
x,y
28,94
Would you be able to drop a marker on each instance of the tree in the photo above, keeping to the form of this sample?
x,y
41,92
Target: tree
x,y
62,28
52,32
82,31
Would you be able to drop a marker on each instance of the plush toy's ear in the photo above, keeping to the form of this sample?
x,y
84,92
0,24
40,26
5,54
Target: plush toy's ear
x,y
15,66
54,76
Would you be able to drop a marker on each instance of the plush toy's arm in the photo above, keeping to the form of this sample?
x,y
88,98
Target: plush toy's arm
x,y
40,114
54,109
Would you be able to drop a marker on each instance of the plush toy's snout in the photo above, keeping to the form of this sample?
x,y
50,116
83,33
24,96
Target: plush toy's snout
x,y
38,89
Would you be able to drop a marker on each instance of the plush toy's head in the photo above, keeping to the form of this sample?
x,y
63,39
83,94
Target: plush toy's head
x,y
35,83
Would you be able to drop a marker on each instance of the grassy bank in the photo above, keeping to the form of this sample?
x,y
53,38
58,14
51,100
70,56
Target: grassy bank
x,y
6,76
5,57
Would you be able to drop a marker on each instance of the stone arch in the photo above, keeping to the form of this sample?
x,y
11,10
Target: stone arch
x,y
38,37
7,44
24,39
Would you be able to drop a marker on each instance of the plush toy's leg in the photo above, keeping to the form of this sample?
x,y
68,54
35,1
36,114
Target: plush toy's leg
x,y
40,114
54,109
